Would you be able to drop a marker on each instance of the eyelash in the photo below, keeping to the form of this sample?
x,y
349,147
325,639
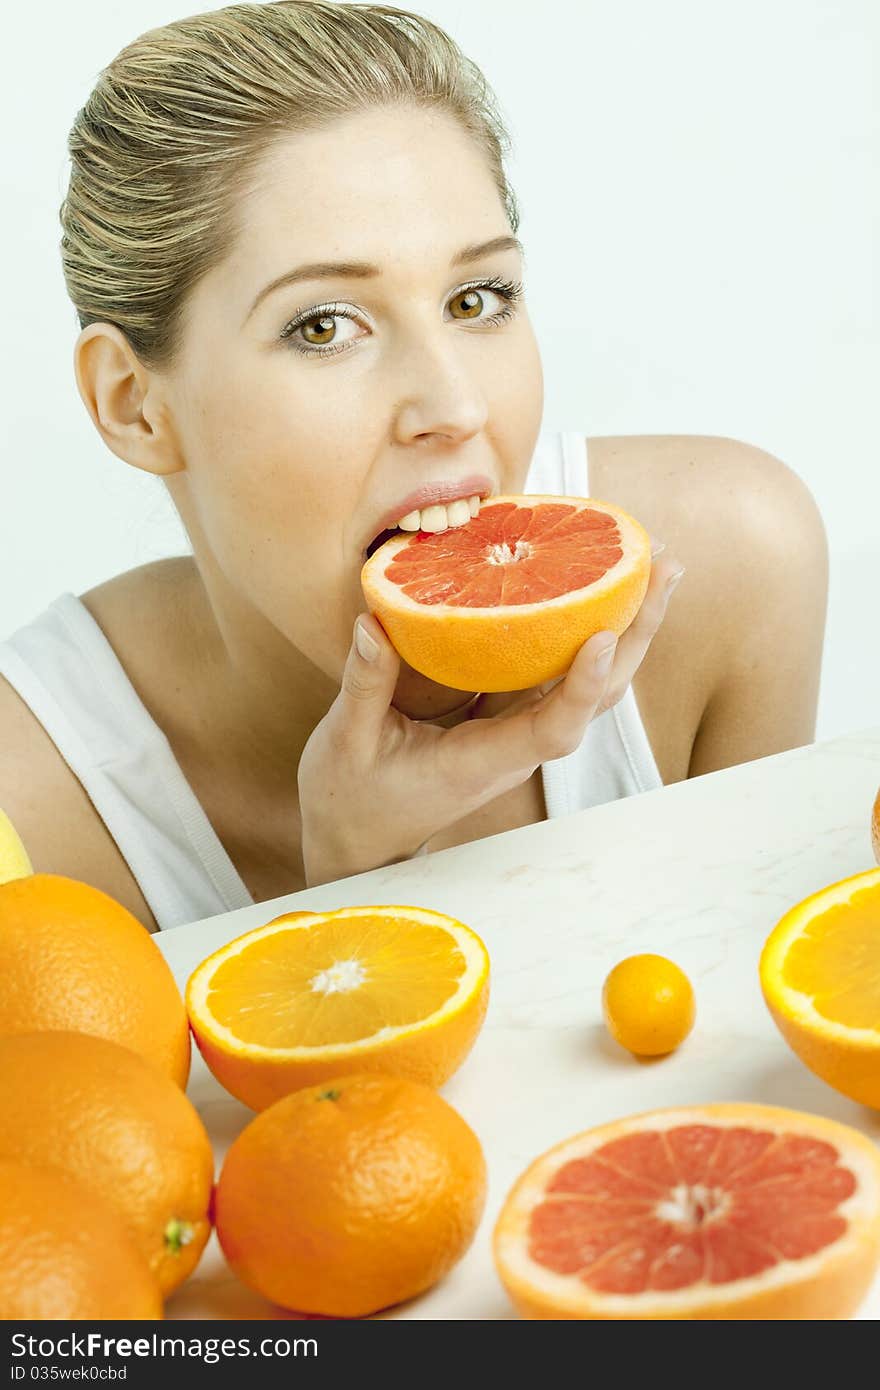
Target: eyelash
x,y
510,290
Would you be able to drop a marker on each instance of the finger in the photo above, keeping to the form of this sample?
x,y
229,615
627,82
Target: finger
x,y
635,641
539,729
369,679
527,698
530,697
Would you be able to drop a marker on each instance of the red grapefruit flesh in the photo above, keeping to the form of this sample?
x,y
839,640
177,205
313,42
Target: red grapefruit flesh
x,y
716,1211
505,601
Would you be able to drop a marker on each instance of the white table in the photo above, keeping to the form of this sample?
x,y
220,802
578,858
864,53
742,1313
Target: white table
x,y
699,871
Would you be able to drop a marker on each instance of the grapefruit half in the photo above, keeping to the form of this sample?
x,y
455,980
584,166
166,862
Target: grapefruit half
x,y
506,601
701,1212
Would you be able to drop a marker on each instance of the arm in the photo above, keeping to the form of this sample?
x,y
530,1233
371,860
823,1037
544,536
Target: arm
x,y
771,588
58,825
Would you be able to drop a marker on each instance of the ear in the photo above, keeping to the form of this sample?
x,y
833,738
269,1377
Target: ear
x,y
124,400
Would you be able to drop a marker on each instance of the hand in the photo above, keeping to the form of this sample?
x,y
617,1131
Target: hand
x,y
374,786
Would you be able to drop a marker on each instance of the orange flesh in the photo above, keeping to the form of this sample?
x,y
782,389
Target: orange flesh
x,y
662,1210
378,978
837,961
508,555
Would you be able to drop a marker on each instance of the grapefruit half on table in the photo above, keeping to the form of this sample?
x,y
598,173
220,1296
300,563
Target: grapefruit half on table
x,y
701,1212
506,601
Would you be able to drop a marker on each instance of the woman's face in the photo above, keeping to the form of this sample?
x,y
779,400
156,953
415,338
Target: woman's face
x,y
306,412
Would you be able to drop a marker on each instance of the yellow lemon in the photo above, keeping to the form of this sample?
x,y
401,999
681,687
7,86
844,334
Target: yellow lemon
x,y
14,862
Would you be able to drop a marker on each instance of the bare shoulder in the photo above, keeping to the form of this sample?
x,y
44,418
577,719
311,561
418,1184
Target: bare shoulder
x,y
751,538
683,480
58,824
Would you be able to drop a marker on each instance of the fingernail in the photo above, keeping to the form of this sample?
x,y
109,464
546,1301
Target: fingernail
x,y
605,658
656,546
673,580
366,645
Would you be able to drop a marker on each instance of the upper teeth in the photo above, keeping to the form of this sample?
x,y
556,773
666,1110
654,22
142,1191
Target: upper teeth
x,y
441,516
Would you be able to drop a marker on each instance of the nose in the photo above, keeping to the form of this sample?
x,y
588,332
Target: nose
x,y
438,386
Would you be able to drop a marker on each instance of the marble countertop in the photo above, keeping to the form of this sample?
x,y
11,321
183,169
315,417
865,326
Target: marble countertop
x,y
700,871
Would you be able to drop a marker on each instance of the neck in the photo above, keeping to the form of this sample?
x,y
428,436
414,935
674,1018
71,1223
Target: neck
x,y
253,699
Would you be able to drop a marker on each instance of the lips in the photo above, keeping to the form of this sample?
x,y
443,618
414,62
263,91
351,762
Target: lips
x,y
442,490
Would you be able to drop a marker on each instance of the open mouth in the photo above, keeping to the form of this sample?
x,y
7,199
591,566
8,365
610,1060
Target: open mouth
x,y
457,514
382,537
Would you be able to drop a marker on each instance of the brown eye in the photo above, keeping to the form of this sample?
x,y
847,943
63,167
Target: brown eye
x,y
472,301
324,328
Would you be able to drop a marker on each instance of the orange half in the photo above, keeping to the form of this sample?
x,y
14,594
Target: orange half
x,y
820,975
315,995
506,601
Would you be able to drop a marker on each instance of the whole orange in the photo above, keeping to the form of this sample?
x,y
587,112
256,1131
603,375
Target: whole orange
x,y
875,827
105,1116
74,958
346,1197
649,1005
65,1254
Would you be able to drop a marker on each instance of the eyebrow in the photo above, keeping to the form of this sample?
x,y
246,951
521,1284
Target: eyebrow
x,y
361,270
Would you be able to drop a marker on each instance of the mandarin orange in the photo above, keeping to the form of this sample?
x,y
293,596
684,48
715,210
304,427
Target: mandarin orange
x,y
347,1197
648,1003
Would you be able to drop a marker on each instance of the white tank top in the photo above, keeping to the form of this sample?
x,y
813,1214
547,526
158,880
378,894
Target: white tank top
x,y
65,670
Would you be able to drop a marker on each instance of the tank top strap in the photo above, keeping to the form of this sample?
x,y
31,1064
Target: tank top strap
x,y
66,671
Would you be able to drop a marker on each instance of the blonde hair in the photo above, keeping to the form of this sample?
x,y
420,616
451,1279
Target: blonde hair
x,y
175,125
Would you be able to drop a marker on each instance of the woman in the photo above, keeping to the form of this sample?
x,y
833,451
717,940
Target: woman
x,y
221,727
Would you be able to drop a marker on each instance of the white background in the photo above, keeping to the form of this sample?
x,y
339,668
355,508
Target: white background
x,y
701,210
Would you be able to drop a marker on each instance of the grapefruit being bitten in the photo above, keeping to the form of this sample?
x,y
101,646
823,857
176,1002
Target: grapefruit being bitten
x,y
506,601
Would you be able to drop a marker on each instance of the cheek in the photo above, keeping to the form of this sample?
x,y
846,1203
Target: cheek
x,y
270,487
518,404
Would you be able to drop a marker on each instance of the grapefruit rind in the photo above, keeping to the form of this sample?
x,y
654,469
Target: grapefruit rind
x,y
845,1057
513,646
428,1050
830,1283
